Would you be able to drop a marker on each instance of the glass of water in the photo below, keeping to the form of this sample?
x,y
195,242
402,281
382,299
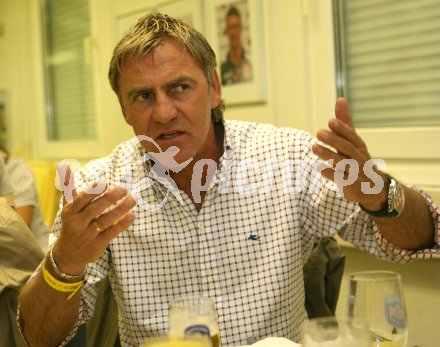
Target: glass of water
x,y
377,298
334,332
194,316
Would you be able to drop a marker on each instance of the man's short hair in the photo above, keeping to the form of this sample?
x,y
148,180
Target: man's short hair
x,y
233,11
153,30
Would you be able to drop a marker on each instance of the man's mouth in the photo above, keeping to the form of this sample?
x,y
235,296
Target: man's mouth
x,y
169,135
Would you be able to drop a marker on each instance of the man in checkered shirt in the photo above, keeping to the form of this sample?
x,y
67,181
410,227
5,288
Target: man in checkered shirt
x,y
199,205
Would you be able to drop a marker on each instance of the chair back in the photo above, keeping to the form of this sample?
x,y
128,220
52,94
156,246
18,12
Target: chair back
x,y
48,194
323,273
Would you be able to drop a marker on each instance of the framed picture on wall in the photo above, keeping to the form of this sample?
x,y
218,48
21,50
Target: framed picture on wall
x,y
188,10
235,31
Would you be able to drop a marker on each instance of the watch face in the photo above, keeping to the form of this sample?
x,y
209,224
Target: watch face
x,y
399,199
396,198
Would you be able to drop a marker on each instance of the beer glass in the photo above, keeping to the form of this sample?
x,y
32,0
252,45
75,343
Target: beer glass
x,y
377,298
166,341
194,316
334,332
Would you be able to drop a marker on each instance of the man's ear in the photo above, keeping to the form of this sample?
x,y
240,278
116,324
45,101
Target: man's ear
x,y
216,90
126,117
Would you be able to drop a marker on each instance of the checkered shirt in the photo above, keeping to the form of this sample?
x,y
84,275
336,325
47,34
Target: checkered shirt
x,y
245,248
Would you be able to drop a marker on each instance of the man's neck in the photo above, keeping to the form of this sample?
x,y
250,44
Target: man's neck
x,y
184,178
236,54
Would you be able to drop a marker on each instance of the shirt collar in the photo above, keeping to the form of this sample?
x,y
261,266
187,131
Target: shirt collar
x,y
222,174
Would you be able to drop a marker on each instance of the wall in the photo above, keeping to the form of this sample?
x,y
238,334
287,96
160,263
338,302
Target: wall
x,y
22,74
15,72
300,78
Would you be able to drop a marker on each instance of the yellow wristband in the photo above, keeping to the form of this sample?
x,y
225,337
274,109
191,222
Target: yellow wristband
x,y
61,286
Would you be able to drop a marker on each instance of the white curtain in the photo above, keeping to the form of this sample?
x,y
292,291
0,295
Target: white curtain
x,y
390,57
69,79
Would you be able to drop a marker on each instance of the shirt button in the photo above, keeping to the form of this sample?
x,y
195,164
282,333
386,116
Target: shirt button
x,y
208,272
201,228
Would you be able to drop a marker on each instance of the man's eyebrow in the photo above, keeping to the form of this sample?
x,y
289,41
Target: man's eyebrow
x,y
172,83
180,80
138,90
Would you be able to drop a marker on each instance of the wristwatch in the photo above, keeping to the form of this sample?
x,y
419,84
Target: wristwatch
x,y
395,203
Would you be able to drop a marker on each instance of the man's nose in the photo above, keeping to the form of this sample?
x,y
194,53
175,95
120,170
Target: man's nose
x,y
164,109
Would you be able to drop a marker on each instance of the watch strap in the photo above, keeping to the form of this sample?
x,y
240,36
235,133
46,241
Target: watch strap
x,y
384,212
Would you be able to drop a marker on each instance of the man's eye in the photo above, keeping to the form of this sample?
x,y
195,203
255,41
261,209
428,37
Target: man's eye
x,y
144,96
180,88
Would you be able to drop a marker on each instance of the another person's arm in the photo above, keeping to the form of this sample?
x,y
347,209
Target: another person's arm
x,y
23,188
5,186
26,213
414,228
48,315
26,199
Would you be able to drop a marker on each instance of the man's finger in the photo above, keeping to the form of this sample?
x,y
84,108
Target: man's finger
x,y
119,226
342,112
345,131
66,183
326,171
84,199
340,144
336,153
100,207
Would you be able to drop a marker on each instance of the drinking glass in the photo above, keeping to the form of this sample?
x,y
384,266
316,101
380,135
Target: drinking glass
x,y
194,316
334,332
377,298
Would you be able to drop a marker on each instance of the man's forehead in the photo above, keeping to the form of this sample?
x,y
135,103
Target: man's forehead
x,y
166,51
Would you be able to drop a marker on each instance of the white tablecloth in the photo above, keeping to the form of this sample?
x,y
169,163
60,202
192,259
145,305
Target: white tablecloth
x,y
274,342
